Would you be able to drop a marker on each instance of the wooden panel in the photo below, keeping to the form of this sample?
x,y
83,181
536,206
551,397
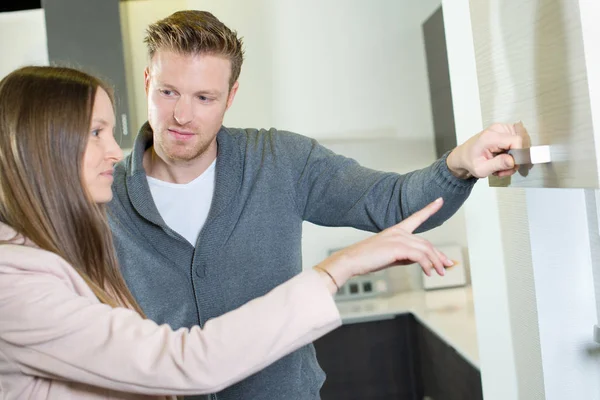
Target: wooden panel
x,y
531,67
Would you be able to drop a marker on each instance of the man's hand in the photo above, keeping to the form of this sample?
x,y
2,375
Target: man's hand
x,y
483,154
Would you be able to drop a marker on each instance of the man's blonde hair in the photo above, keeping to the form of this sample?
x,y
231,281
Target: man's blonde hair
x,y
193,32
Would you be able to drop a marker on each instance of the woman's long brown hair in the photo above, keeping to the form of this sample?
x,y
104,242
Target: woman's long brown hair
x,y
45,117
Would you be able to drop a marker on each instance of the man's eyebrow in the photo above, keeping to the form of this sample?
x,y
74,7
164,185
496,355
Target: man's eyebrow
x,y
209,92
215,93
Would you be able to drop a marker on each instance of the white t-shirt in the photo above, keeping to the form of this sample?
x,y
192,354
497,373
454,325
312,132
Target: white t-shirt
x,y
184,207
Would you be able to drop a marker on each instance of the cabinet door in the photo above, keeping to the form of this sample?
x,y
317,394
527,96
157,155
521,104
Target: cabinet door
x,y
371,360
86,34
531,67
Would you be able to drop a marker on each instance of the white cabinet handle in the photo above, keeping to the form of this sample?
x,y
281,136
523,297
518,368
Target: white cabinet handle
x,y
531,155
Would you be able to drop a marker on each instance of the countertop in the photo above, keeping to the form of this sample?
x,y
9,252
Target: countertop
x,y
446,312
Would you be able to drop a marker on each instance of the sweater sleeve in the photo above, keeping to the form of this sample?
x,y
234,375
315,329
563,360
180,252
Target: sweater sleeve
x,y
333,190
50,331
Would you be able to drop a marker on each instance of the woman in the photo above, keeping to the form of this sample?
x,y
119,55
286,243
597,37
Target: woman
x,y
69,327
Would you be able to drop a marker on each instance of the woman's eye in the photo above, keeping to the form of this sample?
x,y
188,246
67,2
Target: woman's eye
x,y
96,132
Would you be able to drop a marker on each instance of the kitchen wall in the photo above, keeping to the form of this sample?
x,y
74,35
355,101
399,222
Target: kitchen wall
x,y
351,68
22,40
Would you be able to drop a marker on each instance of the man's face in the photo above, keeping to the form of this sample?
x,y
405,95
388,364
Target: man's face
x,y
187,99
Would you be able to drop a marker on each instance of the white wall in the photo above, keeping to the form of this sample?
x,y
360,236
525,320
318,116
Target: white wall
x,y
22,40
351,68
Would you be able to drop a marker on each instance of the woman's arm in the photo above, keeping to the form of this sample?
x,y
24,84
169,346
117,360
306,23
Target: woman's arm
x,y
50,331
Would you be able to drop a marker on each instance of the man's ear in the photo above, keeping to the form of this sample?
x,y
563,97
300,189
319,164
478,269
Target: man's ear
x,y
147,79
232,93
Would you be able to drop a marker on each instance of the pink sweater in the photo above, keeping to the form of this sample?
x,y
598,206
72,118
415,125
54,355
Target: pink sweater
x,y
58,342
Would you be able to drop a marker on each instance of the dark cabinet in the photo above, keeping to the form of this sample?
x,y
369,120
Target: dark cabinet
x,y
440,91
371,360
443,373
394,359
86,34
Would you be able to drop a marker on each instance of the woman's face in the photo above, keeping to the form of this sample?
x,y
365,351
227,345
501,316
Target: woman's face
x,y
102,151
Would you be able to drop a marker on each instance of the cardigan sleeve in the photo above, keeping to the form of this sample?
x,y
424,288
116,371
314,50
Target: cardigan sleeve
x,y
333,190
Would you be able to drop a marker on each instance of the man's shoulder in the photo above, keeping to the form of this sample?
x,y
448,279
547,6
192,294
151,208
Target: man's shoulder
x,y
271,136
119,186
120,173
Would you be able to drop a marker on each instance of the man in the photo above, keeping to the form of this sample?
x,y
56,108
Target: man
x,y
206,218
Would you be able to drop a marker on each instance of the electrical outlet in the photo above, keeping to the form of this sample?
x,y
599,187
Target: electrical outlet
x,y
366,286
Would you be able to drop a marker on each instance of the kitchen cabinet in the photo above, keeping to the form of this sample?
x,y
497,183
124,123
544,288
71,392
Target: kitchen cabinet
x,y
370,360
536,63
86,34
397,358
440,92
443,373
534,247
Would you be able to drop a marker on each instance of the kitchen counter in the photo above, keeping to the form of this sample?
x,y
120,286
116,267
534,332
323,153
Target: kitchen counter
x,y
446,312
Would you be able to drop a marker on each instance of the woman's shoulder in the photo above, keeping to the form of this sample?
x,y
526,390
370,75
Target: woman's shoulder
x,y
18,253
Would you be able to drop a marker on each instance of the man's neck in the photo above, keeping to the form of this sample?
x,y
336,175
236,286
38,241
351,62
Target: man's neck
x,y
177,171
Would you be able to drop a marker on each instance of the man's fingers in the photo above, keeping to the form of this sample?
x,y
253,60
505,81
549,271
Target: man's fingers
x,y
503,128
414,221
509,172
501,162
499,141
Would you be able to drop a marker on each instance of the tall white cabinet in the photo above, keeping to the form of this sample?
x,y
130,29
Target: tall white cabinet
x,y
533,238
